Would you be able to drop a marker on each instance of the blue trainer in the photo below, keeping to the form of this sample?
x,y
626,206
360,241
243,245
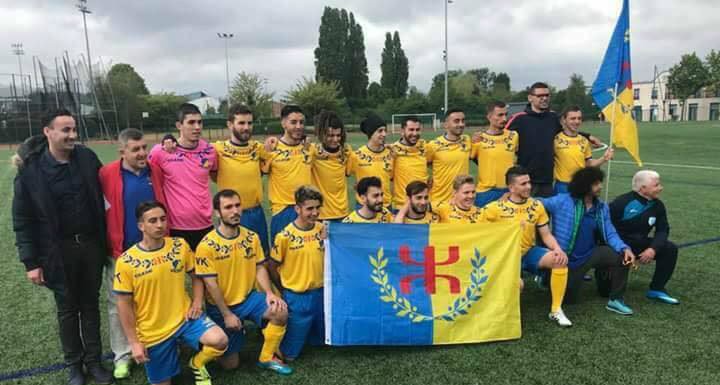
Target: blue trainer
x,y
662,297
619,306
276,365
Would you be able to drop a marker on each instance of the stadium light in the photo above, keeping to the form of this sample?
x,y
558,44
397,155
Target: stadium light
x,y
445,55
226,37
83,8
17,49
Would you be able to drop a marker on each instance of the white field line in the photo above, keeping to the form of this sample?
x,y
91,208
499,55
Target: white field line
x,y
671,165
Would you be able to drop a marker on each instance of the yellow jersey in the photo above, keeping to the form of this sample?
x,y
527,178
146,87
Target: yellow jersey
x,y
571,153
410,164
301,255
428,218
450,213
289,168
156,281
529,215
383,217
239,170
232,260
495,154
329,174
366,162
449,159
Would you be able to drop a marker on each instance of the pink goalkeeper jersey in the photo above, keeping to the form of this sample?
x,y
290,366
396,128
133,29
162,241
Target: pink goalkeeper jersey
x,y
187,184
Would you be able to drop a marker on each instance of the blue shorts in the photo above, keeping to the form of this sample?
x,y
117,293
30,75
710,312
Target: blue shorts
x,y
485,197
560,188
280,220
306,321
254,219
164,362
531,259
252,308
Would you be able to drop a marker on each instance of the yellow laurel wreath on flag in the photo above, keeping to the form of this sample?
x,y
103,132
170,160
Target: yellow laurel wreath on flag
x,y
404,308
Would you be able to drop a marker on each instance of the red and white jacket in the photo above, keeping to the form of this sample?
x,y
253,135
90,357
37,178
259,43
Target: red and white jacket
x,y
111,182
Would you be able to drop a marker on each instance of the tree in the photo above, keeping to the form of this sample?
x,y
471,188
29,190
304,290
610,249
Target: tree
x,y
313,96
577,94
501,86
394,67
127,87
340,54
161,110
713,67
250,89
687,78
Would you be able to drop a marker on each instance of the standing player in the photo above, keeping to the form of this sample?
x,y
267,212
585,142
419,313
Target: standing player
x,y
230,261
331,164
186,173
449,155
494,151
531,216
461,208
371,210
416,209
289,166
297,266
239,170
374,158
155,310
572,150
410,161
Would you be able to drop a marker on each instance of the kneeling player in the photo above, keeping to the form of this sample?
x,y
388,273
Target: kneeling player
x,y
461,207
155,310
531,215
297,265
230,261
370,192
416,209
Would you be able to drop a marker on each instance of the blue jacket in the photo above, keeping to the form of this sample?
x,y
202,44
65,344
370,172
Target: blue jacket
x,y
566,214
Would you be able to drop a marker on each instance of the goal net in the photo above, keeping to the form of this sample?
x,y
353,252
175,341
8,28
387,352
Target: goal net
x,y
428,121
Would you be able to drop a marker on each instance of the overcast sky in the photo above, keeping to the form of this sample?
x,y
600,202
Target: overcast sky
x,y
174,46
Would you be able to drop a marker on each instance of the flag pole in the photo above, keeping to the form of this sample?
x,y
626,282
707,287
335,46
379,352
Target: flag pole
x,y
612,128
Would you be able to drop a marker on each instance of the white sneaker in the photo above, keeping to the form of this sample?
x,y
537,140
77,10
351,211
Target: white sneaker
x,y
560,318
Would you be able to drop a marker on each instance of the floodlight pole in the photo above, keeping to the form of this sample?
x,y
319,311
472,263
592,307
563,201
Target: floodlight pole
x,y
82,7
18,51
445,55
226,37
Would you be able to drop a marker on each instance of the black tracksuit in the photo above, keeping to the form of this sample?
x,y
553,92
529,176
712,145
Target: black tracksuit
x,y
634,217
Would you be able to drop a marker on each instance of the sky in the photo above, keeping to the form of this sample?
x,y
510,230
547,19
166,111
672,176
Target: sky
x,y
173,44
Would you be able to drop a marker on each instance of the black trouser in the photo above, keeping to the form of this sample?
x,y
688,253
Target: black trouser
x,y
192,237
542,190
76,298
610,275
665,261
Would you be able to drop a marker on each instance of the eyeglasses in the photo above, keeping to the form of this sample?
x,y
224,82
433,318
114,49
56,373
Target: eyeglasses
x,y
541,95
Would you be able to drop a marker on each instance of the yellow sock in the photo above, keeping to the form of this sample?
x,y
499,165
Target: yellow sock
x,y
273,336
558,284
205,355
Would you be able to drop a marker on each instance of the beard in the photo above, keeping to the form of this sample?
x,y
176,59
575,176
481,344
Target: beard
x,y
242,137
418,209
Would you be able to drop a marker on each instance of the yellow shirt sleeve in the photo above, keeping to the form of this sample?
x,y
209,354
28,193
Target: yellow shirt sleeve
x,y
204,263
588,150
122,283
188,257
259,253
543,218
278,249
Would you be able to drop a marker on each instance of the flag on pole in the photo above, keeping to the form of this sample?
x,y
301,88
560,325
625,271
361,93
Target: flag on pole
x,y
613,91
392,284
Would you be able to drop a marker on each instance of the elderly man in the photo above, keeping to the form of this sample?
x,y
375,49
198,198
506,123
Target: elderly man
x,y
635,215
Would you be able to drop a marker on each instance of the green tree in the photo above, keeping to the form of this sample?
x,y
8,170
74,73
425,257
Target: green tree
x,y
713,66
394,66
127,87
250,89
340,54
161,111
501,86
313,97
577,94
687,78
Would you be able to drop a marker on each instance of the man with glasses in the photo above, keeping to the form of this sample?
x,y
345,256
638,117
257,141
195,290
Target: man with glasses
x,y
537,127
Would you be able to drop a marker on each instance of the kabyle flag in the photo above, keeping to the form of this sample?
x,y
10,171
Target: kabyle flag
x,y
394,284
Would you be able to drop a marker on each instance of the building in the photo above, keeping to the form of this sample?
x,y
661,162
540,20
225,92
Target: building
x,y
203,101
653,103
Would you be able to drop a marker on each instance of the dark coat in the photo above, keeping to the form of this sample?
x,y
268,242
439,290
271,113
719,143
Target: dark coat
x,y
36,221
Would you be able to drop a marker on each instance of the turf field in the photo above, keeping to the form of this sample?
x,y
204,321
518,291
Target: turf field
x,y
660,344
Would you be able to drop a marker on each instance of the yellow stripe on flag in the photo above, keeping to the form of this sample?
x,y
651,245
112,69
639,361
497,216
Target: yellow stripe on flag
x,y
625,133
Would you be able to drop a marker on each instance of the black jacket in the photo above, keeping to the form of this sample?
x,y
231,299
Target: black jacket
x,y
635,217
536,150
35,217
